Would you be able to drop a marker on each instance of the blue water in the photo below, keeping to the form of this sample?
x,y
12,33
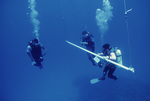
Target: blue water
x,y
67,71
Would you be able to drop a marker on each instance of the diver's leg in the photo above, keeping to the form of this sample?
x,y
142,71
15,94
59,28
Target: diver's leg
x,y
100,64
38,63
41,66
104,73
90,57
110,73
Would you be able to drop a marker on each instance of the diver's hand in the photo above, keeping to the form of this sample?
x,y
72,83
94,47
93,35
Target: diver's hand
x,y
41,59
131,69
105,57
84,43
33,62
101,54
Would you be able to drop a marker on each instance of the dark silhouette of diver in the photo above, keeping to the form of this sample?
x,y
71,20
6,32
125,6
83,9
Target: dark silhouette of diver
x,y
88,41
109,67
34,51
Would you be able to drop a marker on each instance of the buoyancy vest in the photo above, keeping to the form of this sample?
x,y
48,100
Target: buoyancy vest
x,y
118,55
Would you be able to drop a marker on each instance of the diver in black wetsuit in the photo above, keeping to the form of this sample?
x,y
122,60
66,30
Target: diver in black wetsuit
x,y
109,67
34,51
88,41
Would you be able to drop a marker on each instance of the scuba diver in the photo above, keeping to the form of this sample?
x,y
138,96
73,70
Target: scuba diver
x,y
88,41
107,53
34,51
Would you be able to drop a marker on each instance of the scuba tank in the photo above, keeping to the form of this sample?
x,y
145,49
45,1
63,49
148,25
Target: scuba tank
x,y
118,55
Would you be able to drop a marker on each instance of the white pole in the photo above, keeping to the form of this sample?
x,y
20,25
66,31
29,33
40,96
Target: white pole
x,y
127,68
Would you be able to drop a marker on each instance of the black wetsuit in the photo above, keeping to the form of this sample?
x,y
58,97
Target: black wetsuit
x,y
36,53
90,46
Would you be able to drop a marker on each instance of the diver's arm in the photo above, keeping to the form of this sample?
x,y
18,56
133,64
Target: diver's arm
x,y
112,56
45,50
93,40
84,43
29,53
101,54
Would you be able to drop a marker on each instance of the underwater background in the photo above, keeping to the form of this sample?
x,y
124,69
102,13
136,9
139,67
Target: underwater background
x,y
67,71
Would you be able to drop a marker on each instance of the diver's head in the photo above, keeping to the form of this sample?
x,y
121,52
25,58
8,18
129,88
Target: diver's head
x,y
85,33
35,41
106,48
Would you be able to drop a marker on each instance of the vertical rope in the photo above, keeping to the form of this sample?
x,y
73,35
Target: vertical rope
x,y
129,44
125,5
63,19
127,26
65,29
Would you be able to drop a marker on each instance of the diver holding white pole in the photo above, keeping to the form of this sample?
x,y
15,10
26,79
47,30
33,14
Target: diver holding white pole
x,y
102,57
